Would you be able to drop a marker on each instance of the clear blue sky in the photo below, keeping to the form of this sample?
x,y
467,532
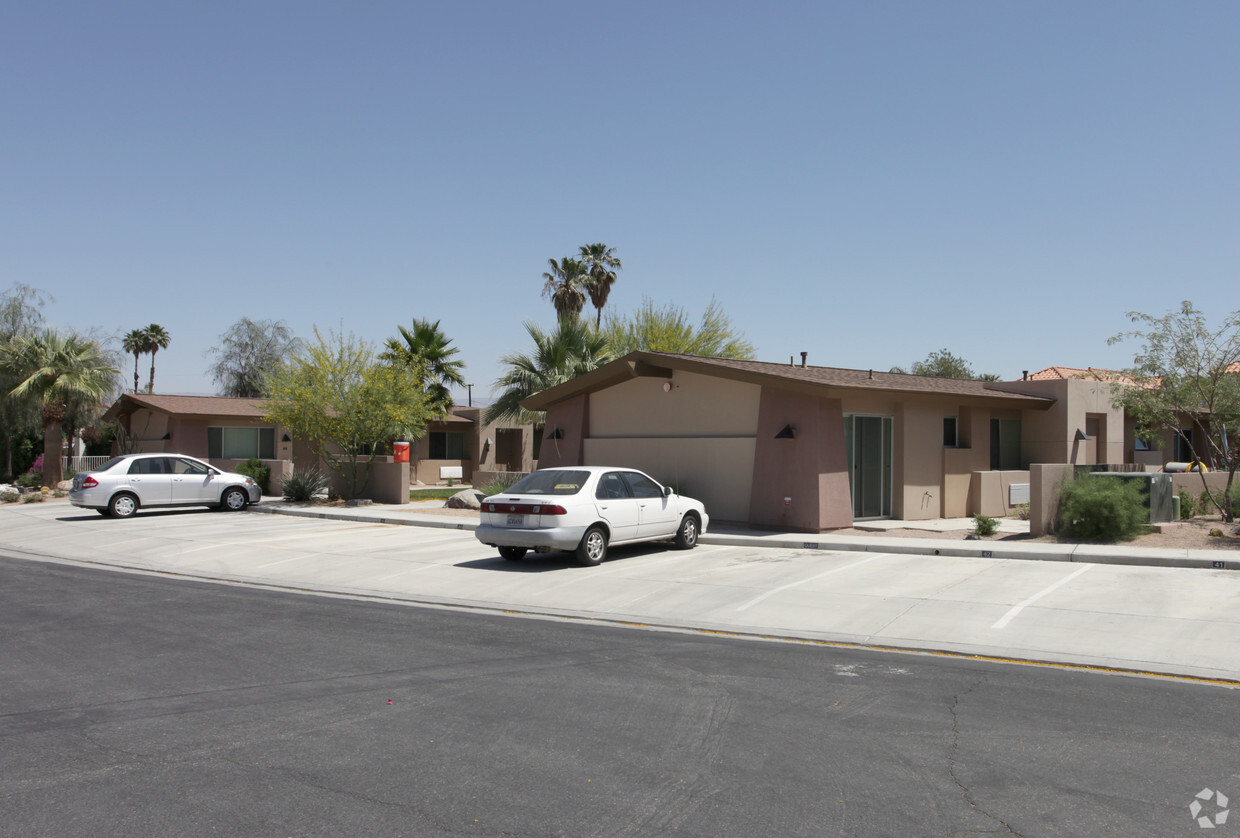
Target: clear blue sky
x,y
865,181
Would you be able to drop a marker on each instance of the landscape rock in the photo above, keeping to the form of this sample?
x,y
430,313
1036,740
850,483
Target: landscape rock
x,y
466,499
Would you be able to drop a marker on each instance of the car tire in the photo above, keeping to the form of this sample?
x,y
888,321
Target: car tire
x,y
234,500
687,535
593,547
107,513
512,554
122,505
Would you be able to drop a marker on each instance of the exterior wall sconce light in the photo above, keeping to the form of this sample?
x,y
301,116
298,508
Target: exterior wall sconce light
x,y
166,436
556,434
286,438
1080,435
788,432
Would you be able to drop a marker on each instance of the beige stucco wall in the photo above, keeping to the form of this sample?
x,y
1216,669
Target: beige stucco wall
x,y
989,492
682,435
1050,436
918,465
718,472
690,408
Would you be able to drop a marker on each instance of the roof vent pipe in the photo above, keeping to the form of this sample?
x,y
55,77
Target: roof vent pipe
x,y
804,355
1026,378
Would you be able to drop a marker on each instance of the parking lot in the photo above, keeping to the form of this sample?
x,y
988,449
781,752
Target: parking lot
x,y
1165,620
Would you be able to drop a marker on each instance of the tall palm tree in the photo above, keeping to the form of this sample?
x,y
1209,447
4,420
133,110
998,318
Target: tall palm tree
x,y
57,370
564,284
157,338
601,263
427,347
573,349
134,343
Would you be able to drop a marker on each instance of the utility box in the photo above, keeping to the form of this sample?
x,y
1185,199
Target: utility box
x,y
1157,489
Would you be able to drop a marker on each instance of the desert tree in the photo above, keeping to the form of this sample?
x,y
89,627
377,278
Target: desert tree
x,y
347,405
247,353
1187,373
670,328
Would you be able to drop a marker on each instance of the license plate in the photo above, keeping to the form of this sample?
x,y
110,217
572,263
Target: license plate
x,y
516,520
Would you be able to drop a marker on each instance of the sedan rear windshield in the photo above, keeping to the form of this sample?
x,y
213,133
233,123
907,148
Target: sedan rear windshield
x,y
557,482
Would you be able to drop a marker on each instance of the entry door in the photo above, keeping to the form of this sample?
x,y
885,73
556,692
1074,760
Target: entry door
x,y
869,464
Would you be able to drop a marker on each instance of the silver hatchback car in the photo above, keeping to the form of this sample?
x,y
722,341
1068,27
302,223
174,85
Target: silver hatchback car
x,y
131,481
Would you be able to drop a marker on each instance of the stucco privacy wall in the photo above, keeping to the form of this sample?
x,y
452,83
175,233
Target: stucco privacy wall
x,y
686,438
800,483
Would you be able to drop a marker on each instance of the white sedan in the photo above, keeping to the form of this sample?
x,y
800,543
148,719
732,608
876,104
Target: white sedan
x,y
584,509
131,481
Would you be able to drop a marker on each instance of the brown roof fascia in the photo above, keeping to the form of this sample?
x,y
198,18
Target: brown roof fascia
x,y
817,381
186,406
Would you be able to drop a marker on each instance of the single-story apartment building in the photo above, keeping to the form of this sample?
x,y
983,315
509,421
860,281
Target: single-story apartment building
x,y
225,431
809,449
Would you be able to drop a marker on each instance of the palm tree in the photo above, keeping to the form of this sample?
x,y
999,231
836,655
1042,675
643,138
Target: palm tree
x,y
57,370
157,338
601,264
427,347
134,343
563,285
573,349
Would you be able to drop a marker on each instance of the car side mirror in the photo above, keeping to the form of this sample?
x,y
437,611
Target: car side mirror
x,y
667,491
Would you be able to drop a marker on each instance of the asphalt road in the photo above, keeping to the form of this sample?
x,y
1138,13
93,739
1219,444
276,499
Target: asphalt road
x,y
138,705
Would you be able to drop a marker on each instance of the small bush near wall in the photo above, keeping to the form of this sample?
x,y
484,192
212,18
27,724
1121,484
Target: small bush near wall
x,y
1100,509
1188,505
254,467
500,483
984,525
302,486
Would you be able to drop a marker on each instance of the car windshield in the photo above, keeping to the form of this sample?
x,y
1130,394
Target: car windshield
x,y
554,482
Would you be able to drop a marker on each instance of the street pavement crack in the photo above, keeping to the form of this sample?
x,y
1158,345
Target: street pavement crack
x,y
965,791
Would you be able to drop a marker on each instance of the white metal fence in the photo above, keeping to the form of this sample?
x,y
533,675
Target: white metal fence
x,y
72,465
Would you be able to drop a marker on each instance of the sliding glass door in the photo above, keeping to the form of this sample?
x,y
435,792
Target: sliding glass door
x,y
868,441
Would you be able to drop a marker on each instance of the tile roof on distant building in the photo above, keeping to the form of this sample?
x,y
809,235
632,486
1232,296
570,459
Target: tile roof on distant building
x,y
1060,373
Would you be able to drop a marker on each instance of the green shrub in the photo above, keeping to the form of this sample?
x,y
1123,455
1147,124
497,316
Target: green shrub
x,y
32,497
1022,511
29,480
254,467
302,486
498,485
1188,505
9,496
983,525
1097,508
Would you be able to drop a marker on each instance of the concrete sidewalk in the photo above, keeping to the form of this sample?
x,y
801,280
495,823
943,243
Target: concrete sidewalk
x,y
420,514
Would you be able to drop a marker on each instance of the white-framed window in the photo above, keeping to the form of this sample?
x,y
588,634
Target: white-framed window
x,y
225,443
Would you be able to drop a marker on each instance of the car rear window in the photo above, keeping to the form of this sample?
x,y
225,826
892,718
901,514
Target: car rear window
x,y
556,482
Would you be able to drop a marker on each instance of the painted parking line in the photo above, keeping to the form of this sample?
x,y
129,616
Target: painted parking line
x,y
782,588
1016,609
286,561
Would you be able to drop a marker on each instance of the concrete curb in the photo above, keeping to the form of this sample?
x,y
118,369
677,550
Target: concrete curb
x,y
1078,553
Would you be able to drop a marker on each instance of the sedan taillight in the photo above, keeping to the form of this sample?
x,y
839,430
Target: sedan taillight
x,y
89,482
527,508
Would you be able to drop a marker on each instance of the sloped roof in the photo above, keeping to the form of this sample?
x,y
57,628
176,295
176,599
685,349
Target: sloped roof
x,y
188,405
228,406
1095,373
785,376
